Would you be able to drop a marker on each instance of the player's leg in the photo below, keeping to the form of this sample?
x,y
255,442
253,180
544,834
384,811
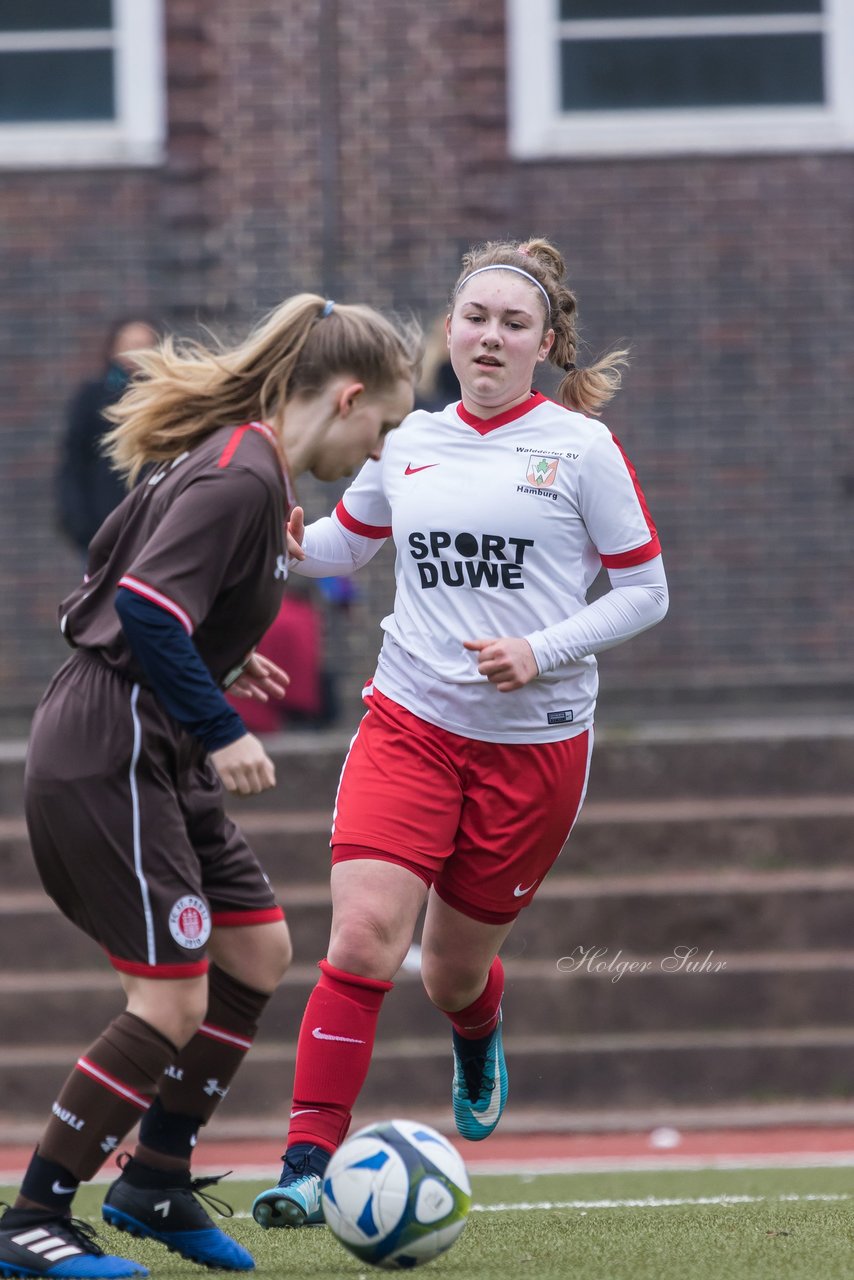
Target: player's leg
x,y
396,813
375,906
464,977
194,1084
81,802
111,1086
521,803
250,949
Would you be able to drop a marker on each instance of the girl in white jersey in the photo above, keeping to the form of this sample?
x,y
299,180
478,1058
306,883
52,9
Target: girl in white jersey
x,y
470,766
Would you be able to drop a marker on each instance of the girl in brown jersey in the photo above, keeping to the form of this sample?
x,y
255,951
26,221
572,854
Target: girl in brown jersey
x,y
133,744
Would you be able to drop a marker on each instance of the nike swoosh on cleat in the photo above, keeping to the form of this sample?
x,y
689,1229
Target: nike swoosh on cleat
x,y
59,1190
493,1111
321,1035
519,892
410,470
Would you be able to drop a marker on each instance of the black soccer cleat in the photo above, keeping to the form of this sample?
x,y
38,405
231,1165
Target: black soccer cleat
x,y
36,1242
174,1216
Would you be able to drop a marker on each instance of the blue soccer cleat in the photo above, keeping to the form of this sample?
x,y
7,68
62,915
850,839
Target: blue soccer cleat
x,y
174,1216
295,1199
480,1085
36,1242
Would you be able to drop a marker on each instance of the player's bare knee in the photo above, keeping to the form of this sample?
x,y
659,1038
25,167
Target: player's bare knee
x,y
366,945
451,988
272,966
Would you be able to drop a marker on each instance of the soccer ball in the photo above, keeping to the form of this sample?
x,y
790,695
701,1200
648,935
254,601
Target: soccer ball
x,y
396,1194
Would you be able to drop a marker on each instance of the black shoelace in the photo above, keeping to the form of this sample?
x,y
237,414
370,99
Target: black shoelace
x,y
473,1073
300,1166
197,1186
84,1234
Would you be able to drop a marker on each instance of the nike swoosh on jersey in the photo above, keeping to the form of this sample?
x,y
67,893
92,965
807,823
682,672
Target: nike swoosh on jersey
x,y
519,892
321,1035
410,470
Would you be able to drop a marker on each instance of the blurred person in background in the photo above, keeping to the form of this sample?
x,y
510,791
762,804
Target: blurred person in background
x,y
438,384
87,486
134,742
294,642
470,764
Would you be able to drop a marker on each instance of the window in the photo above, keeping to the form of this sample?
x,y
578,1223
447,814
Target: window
x,y
633,77
81,82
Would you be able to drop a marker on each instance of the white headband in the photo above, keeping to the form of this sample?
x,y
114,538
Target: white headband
x,y
505,266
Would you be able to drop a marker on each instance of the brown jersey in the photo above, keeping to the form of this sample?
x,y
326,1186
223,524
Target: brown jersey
x,y
203,536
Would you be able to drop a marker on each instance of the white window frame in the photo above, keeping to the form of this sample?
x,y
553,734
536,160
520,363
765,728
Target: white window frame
x,y
539,128
136,134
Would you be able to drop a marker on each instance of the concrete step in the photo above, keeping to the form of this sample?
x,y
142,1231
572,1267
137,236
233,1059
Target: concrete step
x,y
722,913
619,1070
590,993
794,756
611,837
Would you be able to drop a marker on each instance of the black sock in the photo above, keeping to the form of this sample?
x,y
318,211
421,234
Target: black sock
x,y
50,1184
468,1049
305,1157
147,1178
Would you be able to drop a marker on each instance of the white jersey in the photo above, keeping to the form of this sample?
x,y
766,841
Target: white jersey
x,y
500,527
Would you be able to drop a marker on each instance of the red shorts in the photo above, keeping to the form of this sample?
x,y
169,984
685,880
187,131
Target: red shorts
x,y
482,822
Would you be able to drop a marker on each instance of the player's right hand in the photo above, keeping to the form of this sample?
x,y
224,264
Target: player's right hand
x,y
296,533
244,767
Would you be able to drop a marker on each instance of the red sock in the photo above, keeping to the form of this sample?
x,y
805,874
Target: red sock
x,y
336,1041
480,1018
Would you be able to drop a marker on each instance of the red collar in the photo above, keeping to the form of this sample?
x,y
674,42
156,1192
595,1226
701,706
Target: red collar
x,y
485,425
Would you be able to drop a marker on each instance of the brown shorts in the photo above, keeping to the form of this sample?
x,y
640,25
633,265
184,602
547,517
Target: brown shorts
x,y
127,826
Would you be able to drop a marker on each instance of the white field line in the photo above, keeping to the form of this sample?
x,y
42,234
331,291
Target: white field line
x,y
647,1202
533,1168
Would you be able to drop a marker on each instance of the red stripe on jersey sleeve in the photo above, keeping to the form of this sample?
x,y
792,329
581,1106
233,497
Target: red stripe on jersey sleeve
x,y
231,448
650,524
356,526
157,597
233,919
638,555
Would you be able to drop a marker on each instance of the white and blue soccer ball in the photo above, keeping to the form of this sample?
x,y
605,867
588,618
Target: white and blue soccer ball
x,y
396,1194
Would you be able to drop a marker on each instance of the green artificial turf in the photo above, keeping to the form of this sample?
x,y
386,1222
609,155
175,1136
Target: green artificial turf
x,y
777,1224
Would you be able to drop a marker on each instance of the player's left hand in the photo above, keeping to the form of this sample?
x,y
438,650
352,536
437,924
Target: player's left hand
x,y
508,662
260,680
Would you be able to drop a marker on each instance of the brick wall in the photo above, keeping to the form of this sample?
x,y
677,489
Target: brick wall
x,y
359,146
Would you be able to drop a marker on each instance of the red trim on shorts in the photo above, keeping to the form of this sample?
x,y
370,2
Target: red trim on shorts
x,y
354,852
356,526
233,444
474,913
484,425
235,919
137,969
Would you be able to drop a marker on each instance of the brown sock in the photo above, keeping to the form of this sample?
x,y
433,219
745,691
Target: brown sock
x,y
111,1086
198,1079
